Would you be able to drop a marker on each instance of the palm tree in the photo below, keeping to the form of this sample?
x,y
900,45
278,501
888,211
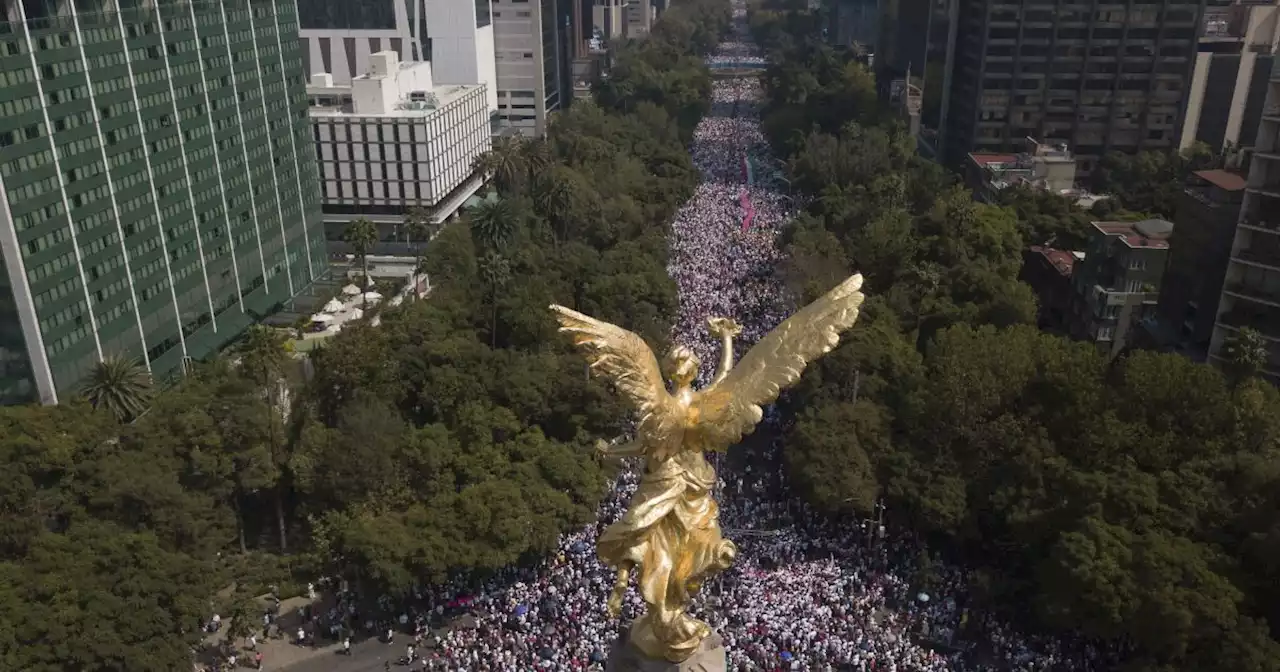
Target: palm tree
x,y
362,235
417,222
120,385
493,224
263,358
495,271
504,164
536,154
552,197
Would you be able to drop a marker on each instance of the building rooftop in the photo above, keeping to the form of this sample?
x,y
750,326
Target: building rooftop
x,y
992,159
1063,261
390,88
1225,180
1149,233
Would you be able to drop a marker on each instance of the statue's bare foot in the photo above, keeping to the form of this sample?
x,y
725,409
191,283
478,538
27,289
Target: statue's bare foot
x,y
723,326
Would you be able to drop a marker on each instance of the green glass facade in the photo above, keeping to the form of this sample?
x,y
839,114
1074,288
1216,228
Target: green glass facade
x,y
158,186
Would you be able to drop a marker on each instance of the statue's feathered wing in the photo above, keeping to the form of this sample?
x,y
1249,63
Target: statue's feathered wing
x,y
732,408
627,360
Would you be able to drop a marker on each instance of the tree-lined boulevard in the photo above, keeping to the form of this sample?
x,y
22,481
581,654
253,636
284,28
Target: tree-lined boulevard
x,y
1127,505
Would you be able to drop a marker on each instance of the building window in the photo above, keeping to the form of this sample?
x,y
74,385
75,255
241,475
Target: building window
x,y
1106,333
482,13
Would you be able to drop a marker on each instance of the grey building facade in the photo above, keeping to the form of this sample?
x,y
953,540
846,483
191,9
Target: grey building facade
x,y
1099,77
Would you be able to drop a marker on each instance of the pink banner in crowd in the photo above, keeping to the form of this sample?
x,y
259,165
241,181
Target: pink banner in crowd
x,y
748,210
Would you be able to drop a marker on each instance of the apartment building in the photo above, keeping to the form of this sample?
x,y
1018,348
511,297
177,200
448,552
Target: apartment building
x,y
455,36
1199,250
1101,78
391,140
1251,289
534,68
1233,63
1116,285
157,186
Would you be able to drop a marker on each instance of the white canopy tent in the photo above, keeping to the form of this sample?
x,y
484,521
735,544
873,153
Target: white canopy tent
x,y
333,306
322,317
351,290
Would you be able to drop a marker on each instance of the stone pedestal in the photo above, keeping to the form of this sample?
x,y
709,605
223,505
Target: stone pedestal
x,y
710,657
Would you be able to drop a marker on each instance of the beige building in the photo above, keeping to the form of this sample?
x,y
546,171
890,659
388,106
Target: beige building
x,y
1233,62
1050,167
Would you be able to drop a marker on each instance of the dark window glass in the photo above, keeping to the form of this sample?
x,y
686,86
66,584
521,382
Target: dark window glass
x,y
344,14
483,17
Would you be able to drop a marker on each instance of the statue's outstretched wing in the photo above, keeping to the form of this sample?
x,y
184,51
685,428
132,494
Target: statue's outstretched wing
x,y
731,409
627,360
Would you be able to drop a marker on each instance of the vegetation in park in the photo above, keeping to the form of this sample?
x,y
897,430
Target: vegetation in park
x,y
1134,501
456,436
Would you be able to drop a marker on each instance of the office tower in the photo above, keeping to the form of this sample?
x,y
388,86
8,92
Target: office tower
x,y
1116,285
392,139
1100,78
639,18
1204,229
915,38
534,68
1251,291
1229,79
456,36
157,186
608,18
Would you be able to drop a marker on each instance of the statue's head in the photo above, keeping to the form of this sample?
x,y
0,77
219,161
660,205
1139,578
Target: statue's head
x,y
682,366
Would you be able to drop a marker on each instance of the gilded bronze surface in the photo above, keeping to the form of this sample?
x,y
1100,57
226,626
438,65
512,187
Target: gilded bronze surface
x,y
671,530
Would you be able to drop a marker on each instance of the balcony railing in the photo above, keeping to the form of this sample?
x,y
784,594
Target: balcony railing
x,y
1255,293
1264,257
1265,323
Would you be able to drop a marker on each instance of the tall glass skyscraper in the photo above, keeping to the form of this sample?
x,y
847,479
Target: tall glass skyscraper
x,y
158,186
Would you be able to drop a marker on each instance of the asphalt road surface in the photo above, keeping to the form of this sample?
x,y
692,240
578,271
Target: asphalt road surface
x,y
369,655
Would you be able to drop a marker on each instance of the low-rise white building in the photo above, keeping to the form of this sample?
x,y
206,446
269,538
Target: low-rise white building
x,y
392,139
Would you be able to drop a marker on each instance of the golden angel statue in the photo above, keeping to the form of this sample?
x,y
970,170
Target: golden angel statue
x,y
671,530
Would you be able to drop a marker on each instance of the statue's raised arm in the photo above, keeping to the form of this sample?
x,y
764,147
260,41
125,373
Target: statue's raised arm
x,y
730,409
671,530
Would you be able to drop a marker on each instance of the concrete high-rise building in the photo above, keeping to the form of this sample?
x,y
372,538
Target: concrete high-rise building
x,y
1229,81
1100,78
1251,291
1204,229
158,191
535,75
391,140
456,36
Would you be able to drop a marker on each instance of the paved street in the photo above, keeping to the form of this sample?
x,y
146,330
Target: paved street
x,y
367,656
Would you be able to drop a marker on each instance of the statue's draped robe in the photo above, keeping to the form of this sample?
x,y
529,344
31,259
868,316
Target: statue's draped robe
x,y
672,533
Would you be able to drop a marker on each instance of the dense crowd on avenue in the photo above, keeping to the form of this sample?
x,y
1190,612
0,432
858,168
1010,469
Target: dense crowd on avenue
x,y
805,593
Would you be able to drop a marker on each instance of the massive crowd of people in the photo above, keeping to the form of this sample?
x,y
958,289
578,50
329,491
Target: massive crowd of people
x,y
806,593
